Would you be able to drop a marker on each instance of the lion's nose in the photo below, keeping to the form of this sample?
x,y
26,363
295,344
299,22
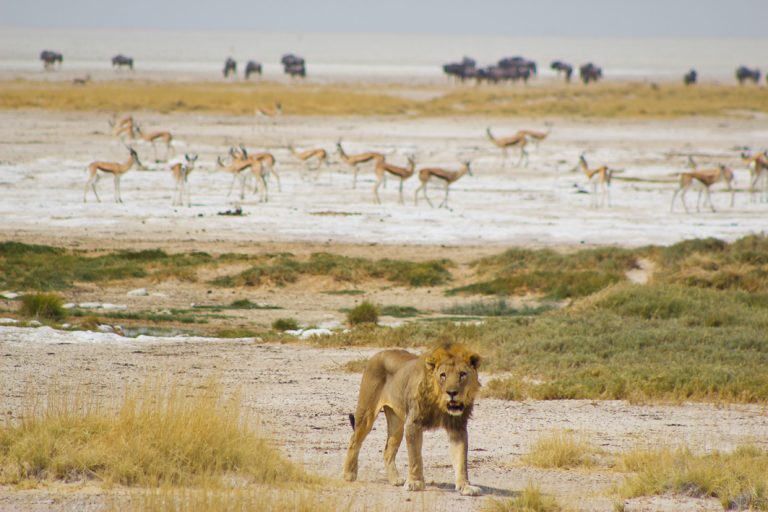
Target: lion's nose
x,y
452,394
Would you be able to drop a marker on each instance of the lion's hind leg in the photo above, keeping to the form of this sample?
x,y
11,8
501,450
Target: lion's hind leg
x,y
367,409
395,427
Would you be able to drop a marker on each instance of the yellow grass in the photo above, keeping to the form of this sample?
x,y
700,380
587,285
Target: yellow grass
x,y
738,479
530,500
561,449
158,435
607,100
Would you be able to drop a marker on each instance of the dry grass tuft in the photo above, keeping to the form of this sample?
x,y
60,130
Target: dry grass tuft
x,y
159,435
561,449
530,500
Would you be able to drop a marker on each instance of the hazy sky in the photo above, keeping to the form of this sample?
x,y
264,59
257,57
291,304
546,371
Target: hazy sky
x,y
747,18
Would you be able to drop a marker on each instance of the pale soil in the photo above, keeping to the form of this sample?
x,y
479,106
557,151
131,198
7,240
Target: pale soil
x,y
42,161
302,397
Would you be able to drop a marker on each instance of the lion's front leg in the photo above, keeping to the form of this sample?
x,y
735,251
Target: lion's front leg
x,y
413,439
459,444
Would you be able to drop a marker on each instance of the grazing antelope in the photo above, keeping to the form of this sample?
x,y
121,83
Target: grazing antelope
x,y
403,173
447,177
355,161
318,155
600,177
265,159
535,136
518,140
153,137
702,180
236,168
758,175
123,126
181,171
116,169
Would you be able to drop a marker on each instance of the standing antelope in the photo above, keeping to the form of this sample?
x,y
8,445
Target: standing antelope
x,y
758,175
600,177
318,155
355,161
448,177
235,168
702,180
518,140
265,159
123,126
153,137
181,171
403,173
535,136
116,169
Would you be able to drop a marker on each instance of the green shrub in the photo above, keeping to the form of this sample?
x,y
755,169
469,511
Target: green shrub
x,y
364,313
285,324
43,306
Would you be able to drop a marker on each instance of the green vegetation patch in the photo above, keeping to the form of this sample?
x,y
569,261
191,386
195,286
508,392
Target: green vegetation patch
x,y
46,307
498,307
364,313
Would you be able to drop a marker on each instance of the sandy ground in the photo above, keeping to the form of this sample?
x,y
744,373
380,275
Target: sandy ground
x,y
42,162
302,396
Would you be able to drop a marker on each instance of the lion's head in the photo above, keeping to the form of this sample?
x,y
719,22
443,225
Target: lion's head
x,y
452,371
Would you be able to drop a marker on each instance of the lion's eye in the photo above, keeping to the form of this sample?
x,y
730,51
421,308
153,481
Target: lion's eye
x,y
463,375
442,376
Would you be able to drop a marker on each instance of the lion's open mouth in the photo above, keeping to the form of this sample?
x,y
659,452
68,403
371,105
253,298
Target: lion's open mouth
x,y
455,407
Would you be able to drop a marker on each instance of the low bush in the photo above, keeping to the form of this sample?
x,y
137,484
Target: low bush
x,y
47,307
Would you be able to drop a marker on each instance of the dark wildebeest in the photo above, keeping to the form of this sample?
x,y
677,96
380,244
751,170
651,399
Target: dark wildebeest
x,y
252,67
293,65
461,70
230,66
520,64
690,77
590,73
50,58
743,73
121,60
563,67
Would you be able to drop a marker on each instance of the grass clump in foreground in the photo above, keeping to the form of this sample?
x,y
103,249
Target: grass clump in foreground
x,y
158,435
561,450
530,499
285,324
738,479
364,313
43,306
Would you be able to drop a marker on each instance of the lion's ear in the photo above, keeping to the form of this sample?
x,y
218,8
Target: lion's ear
x,y
474,360
431,362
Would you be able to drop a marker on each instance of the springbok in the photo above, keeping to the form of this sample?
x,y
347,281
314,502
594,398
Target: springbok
x,y
318,155
181,171
518,140
702,180
123,126
153,137
403,173
599,177
446,176
354,161
236,168
758,175
265,159
116,169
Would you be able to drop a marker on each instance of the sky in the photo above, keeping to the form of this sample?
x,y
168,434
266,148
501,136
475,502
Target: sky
x,y
637,18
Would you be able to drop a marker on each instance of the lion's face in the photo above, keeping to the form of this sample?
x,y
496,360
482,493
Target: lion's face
x,y
453,370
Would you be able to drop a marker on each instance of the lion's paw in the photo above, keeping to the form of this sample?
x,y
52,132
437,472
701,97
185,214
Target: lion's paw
x,y
350,476
415,485
470,490
397,481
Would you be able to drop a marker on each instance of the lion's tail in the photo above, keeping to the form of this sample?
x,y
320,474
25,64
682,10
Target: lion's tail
x,y
352,420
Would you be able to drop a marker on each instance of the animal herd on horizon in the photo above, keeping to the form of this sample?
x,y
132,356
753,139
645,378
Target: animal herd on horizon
x,y
506,69
261,166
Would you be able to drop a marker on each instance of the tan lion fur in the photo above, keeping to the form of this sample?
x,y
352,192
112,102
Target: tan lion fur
x,y
417,393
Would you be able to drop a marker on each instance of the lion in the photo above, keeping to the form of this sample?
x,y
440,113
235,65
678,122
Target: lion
x,y
417,393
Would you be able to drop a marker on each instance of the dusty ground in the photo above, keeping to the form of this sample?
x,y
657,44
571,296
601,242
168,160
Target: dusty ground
x,y
42,161
302,396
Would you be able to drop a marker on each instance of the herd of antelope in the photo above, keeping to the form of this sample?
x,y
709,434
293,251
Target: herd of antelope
x,y
261,166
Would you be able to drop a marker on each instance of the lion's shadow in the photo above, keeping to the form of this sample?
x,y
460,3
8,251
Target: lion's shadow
x,y
487,490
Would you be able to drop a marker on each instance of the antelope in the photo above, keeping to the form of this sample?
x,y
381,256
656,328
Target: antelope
x,y
319,155
123,126
265,159
600,177
518,140
152,137
702,180
535,136
448,177
758,174
356,160
235,168
181,171
275,111
116,169
403,173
